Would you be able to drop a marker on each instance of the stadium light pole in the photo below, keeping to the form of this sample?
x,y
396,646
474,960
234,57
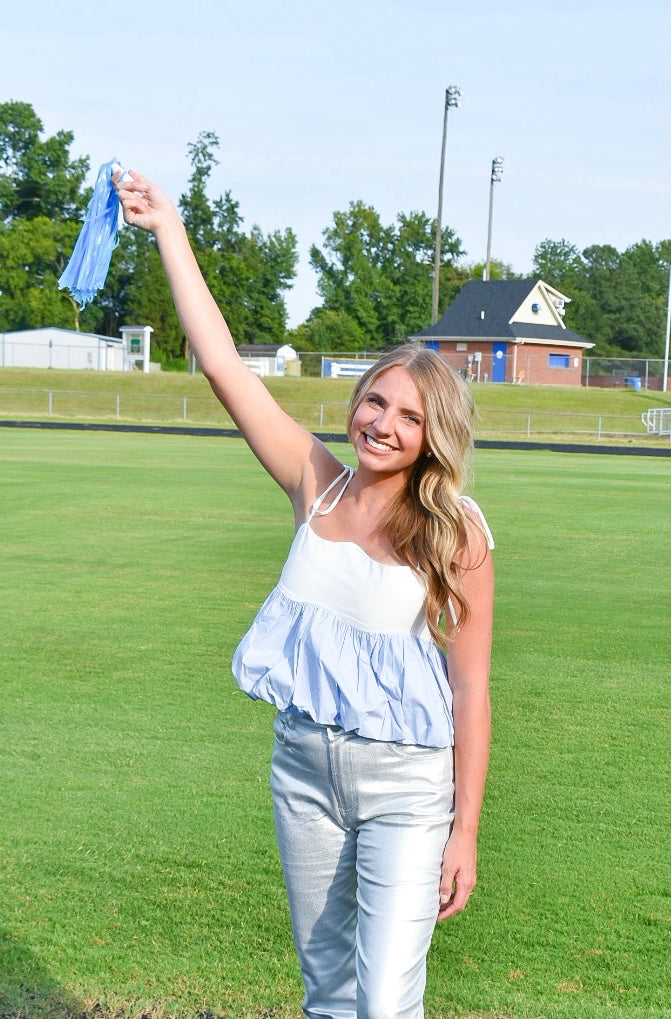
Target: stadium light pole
x,y
668,331
452,100
496,175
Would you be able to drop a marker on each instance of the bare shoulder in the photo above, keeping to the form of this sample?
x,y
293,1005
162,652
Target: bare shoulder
x,y
480,540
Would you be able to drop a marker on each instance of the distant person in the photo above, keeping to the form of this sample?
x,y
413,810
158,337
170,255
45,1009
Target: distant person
x,y
382,728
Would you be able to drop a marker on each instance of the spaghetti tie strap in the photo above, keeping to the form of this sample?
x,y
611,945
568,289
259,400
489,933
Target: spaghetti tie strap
x,y
347,473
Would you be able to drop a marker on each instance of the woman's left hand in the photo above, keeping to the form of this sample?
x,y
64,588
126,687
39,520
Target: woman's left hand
x,y
458,875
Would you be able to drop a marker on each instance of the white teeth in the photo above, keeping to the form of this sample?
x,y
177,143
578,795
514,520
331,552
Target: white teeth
x,y
377,445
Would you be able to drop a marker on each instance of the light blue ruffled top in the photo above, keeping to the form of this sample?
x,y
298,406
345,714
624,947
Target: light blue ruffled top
x,y
343,638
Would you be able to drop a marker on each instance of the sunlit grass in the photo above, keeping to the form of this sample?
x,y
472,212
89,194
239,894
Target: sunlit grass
x,y
320,404
137,858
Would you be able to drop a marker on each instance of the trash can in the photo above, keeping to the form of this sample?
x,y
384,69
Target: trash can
x,y
632,382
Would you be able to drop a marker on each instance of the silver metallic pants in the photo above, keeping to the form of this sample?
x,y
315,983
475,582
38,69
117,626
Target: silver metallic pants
x,y
361,827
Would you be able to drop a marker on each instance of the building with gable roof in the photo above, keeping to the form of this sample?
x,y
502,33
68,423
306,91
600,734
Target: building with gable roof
x,y
509,331
53,347
269,359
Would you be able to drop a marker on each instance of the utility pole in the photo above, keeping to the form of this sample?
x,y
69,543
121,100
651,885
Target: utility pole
x,y
668,330
497,174
452,99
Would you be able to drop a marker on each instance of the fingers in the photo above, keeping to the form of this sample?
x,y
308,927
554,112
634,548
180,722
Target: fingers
x,y
143,203
130,183
454,894
453,903
132,191
138,182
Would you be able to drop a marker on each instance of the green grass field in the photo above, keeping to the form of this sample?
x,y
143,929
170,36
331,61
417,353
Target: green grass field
x,y
138,871
320,404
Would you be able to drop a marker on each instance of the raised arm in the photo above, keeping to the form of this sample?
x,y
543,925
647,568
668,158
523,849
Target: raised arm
x,y
285,448
468,660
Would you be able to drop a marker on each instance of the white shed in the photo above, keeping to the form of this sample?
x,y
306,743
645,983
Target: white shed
x,y
270,358
62,348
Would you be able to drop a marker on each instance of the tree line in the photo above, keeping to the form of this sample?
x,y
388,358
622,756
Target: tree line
x,y
374,280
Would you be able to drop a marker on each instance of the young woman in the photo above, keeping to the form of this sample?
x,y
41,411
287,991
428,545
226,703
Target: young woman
x,y
382,730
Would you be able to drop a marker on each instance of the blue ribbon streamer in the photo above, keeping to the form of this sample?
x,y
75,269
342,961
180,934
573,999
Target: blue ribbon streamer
x,y
86,271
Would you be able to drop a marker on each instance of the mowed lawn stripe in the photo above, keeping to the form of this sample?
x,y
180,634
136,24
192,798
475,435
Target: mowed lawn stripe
x,y
137,858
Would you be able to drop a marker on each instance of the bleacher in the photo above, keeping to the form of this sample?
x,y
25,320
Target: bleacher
x,y
344,368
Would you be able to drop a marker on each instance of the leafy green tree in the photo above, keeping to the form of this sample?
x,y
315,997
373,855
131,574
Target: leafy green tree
x,y
497,270
413,250
33,254
558,263
42,202
585,316
380,276
354,270
197,212
137,292
611,306
328,331
248,274
640,305
37,175
617,298
269,265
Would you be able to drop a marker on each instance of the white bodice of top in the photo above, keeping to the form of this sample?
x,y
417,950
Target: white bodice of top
x,y
343,638
342,577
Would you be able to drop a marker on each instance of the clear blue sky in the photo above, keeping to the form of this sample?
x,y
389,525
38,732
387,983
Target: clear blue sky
x,y
317,105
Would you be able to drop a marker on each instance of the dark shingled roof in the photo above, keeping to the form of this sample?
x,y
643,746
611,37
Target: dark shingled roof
x,y
528,331
258,348
499,299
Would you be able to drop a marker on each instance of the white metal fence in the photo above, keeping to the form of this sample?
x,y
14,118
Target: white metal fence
x,y
657,420
149,408
153,408
557,424
97,406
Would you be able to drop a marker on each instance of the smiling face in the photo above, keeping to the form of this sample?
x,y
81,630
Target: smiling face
x,y
387,428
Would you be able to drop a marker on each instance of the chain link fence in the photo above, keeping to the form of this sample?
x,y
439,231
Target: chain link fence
x,y
632,373
25,403
521,368
326,416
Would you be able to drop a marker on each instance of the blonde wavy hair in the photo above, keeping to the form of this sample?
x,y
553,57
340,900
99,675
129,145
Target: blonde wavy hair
x,y
426,523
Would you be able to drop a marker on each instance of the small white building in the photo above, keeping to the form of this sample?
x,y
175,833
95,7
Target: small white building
x,y
137,343
270,359
51,347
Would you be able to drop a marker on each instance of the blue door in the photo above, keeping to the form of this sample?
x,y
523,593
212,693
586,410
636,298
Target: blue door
x,y
499,351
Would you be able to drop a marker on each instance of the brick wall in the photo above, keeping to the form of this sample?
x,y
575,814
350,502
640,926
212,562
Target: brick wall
x,y
527,364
